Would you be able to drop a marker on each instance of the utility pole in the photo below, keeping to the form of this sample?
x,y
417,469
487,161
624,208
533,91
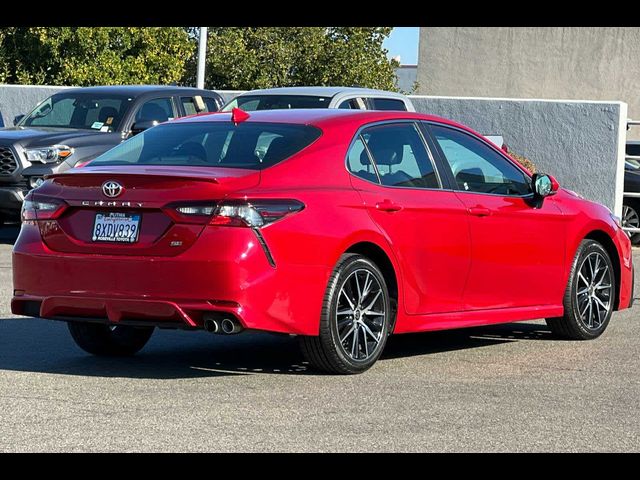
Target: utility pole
x,y
202,56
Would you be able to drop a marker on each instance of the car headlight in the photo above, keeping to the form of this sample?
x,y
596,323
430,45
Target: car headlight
x,y
51,154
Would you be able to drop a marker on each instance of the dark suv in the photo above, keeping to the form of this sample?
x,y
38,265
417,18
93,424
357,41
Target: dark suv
x,y
78,124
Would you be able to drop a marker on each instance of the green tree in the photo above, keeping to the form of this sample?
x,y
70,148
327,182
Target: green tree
x,y
261,57
94,55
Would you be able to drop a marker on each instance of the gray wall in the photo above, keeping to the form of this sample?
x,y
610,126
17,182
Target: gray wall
x,y
19,99
579,143
596,63
406,76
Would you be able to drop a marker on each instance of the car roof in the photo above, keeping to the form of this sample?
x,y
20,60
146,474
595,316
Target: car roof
x,y
320,117
135,90
320,91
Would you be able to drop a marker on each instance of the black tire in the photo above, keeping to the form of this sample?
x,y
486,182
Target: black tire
x,y
326,352
572,325
104,340
631,205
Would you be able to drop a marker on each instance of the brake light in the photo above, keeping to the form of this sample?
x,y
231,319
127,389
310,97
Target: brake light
x,y
238,213
41,209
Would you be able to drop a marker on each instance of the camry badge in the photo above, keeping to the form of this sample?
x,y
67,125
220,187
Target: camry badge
x,y
112,189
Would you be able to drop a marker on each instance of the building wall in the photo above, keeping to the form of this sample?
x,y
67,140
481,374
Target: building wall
x,y
406,76
595,63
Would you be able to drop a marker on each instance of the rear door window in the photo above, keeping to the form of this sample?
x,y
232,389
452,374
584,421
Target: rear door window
x,y
359,163
157,109
197,104
376,103
400,156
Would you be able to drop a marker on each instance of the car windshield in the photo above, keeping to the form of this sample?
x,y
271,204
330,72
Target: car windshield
x,y
253,145
249,103
84,111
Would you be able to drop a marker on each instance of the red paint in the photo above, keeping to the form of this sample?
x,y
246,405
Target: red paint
x,y
460,258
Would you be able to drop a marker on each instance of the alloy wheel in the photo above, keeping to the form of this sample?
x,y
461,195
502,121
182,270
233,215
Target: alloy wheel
x,y
360,315
594,290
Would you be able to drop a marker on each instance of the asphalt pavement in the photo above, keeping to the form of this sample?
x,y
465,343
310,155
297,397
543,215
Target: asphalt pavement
x,y
500,388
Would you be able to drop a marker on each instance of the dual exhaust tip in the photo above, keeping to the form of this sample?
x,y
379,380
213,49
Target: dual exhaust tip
x,y
226,326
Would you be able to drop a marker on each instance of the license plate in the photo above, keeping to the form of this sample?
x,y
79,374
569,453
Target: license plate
x,y
116,227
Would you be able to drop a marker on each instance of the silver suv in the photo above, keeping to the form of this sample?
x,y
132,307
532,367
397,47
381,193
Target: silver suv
x,y
320,97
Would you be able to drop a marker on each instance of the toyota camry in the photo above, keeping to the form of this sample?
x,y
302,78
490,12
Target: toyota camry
x,y
339,227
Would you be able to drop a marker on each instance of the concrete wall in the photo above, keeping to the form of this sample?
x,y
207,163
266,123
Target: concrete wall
x,y
581,143
599,63
406,76
20,99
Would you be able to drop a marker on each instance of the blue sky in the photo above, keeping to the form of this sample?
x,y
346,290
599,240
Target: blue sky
x,y
403,41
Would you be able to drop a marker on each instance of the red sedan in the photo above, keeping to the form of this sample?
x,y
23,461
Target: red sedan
x,y
338,226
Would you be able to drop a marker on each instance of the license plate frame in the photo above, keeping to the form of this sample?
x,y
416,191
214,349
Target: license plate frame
x,y
110,227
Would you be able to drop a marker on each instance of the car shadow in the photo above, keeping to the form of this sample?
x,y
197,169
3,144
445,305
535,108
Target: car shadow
x,y
42,346
9,233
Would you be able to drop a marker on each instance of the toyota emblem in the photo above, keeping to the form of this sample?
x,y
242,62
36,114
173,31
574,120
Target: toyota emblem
x,y
112,189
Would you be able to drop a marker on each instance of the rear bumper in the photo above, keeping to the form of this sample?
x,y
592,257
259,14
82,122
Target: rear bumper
x,y
225,271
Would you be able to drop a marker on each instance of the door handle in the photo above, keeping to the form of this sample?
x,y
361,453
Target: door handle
x,y
479,211
388,206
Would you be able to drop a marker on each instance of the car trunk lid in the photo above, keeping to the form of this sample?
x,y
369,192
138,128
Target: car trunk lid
x,y
144,203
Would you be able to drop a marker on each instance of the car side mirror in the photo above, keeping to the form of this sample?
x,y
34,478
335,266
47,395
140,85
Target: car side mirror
x,y
143,125
544,185
16,119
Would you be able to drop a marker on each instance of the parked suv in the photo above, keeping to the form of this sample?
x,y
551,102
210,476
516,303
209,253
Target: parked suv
x,y
77,125
320,97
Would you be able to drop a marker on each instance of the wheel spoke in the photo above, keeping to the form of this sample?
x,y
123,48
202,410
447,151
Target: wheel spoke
x,y
602,287
343,293
354,343
606,308
583,291
373,301
586,307
358,287
348,311
598,314
581,277
366,328
371,312
367,285
347,334
366,344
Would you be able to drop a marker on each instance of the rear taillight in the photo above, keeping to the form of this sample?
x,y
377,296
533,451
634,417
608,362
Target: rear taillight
x,y
238,213
41,209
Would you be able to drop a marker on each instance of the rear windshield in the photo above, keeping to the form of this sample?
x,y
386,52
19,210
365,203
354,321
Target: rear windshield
x,y
212,144
249,103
